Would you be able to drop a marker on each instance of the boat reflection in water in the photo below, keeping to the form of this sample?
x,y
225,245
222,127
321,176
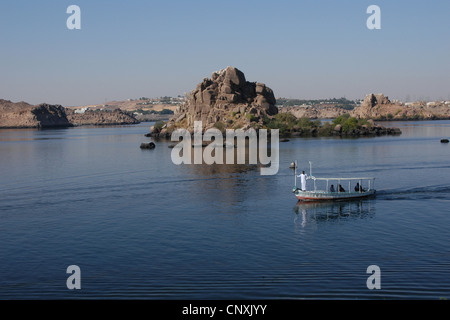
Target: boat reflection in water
x,y
332,210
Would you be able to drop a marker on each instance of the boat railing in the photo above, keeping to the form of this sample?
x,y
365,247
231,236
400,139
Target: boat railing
x,y
370,180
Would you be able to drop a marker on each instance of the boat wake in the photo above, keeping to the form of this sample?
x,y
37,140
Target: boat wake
x,y
418,193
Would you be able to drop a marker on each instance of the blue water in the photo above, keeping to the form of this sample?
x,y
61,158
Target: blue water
x,y
139,226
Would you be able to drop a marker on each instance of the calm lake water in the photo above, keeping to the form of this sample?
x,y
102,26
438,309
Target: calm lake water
x,y
139,226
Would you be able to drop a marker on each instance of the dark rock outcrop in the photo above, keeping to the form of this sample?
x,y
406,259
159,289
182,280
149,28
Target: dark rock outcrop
x,y
51,116
148,145
364,130
24,115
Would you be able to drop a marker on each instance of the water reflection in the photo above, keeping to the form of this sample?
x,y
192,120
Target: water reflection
x,y
235,156
31,134
229,183
210,170
315,212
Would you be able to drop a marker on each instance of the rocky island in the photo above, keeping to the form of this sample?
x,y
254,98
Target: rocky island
x,y
228,101
25,115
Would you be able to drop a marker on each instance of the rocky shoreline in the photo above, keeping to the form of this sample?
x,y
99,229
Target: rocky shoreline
x,y
360,131
100,118
336,131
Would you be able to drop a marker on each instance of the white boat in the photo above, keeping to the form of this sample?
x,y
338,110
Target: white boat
x,y
365,189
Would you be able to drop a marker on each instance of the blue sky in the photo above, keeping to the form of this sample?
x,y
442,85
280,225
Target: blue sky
x,y
301,49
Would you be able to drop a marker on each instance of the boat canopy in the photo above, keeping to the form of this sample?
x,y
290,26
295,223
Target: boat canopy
x,y
314,178
371,180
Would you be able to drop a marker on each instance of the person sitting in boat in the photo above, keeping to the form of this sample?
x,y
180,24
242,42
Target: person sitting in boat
x,y
332,188
341,189
358,188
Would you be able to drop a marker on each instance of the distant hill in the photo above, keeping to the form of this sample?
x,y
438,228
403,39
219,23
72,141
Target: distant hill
x,y
342,103
143,109
314,112
131,105
374,106
379,107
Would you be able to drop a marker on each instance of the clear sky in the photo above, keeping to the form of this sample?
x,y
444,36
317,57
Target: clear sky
x,y
301,49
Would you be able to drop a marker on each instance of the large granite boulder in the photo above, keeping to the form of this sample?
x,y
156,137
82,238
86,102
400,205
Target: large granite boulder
x,y
374,106
226,100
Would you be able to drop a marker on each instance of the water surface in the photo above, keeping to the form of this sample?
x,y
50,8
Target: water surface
x,y
139,226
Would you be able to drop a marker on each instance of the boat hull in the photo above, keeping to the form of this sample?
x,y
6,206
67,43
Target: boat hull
x,y
331,196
